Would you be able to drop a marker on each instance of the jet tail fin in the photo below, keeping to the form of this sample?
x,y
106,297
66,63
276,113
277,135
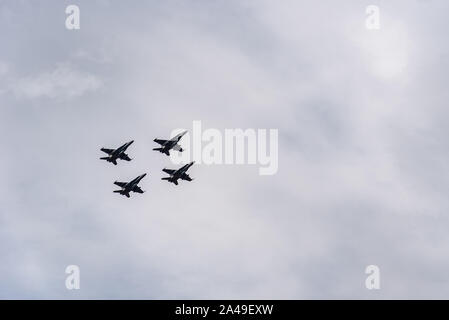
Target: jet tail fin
x,y
170,180
108,159
162,150
121,192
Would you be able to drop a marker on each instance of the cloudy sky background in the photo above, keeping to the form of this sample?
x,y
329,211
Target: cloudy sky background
x,y
363,148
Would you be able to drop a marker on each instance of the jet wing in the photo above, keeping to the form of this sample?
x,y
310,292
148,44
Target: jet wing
x,y
160,141
177,147
108,151
120,184
125,157
137,189
169,171
185,176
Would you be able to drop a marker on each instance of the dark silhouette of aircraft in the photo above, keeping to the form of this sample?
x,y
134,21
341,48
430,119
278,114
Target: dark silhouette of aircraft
x,y
178,174
127,187
172,144
118,153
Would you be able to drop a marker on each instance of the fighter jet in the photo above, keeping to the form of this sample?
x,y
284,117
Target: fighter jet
x,y
127,187
118,153
178,174
167,145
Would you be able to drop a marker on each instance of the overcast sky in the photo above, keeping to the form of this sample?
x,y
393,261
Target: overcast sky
x,y
363,149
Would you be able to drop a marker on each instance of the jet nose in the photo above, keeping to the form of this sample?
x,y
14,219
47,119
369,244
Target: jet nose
x,y
131,142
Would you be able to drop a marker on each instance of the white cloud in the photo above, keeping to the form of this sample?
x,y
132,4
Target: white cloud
x,y
386,50
4,68
62,82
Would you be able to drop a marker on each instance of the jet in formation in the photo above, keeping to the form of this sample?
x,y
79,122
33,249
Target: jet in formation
x,y
118,153
172,144
127,187
178,174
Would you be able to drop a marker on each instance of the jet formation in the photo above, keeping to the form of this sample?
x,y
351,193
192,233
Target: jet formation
x,y
166,146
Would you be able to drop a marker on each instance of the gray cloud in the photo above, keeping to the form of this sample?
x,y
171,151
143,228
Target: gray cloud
x,y
362,149
62,82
